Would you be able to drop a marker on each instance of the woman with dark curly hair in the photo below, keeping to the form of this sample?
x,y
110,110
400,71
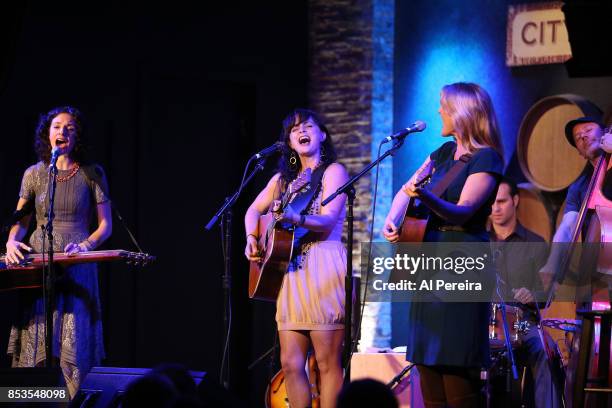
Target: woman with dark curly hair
x,y
81,194
310,305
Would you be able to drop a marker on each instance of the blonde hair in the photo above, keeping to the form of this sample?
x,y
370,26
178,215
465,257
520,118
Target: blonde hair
x,y
473,116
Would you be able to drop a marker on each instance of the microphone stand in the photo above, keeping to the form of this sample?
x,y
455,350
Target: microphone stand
x,y
49,276
507,339
508,346
398,378
264,355
229,201
225,213
349,190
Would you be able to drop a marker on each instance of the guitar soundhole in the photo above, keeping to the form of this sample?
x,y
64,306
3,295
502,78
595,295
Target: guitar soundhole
x,y
607,185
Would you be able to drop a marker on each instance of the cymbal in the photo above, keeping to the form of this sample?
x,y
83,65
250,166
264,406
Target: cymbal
x,y
568,325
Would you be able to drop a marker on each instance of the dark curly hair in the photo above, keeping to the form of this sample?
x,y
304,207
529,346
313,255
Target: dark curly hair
x,y
42,145
288,171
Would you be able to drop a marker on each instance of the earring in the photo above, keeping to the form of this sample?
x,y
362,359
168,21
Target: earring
x,y
322,156
293,159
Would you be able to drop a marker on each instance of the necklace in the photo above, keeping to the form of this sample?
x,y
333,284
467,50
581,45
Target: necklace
x,y
74,171
316,166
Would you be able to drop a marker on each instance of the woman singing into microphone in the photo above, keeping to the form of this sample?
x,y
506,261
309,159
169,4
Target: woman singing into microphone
x,y
77,338
310,305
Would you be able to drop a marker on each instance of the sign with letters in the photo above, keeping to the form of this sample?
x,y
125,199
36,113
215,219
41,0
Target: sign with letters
x,y
536,34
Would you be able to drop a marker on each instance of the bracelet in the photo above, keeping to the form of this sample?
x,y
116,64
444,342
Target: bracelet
x,y
252,235
405,189
302,220
87,244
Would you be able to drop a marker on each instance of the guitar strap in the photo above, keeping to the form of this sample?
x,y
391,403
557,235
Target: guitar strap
x,y
301,204
303,200
452,174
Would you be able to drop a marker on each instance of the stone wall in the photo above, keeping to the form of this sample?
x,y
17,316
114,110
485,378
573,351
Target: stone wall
x,y
341,89
351,84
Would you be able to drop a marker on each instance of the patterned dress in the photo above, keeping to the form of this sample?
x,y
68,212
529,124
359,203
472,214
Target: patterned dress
x,y
312,296
77,337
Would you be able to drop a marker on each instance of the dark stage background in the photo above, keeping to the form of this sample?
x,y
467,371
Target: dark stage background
x,y
175,103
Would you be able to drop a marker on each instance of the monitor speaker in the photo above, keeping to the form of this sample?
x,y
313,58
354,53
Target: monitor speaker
x,y
105,386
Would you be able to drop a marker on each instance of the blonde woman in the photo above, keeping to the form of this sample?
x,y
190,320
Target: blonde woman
x,y
448,341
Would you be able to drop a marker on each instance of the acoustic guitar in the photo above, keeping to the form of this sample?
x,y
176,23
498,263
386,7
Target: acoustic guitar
x,y
276,392
276,247
412,227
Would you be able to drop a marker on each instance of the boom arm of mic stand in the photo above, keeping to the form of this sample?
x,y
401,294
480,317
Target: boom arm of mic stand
x,y
348,185
228,203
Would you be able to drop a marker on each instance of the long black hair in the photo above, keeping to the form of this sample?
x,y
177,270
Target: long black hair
x,y
290,171
42,144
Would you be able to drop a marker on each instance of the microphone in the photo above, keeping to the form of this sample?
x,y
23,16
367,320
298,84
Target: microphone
x,y
55,152
268,151
417,126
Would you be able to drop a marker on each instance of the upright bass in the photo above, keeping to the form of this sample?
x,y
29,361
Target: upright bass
x,y
595,259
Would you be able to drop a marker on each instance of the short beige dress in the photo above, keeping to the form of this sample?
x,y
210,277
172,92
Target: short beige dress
x,y
312,295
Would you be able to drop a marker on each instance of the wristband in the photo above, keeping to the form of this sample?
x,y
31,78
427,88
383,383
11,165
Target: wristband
x,y
302,220
84,245
252,235
405,189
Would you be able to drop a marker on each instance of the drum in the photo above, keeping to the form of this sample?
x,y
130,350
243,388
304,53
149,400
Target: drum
x,y
516,326
507,392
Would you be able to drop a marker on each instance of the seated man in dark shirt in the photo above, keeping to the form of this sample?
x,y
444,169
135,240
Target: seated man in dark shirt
x,y
520,253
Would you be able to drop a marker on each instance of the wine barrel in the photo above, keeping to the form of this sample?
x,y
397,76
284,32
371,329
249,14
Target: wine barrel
x,y
547,160
535,211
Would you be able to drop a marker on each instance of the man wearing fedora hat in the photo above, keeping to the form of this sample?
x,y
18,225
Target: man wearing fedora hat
x,y
587,135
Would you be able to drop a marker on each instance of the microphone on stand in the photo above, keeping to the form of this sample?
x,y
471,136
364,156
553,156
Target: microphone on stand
x,y
55,153
268,151
417,126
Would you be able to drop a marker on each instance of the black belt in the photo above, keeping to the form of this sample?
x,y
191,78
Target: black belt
x,y
456,228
